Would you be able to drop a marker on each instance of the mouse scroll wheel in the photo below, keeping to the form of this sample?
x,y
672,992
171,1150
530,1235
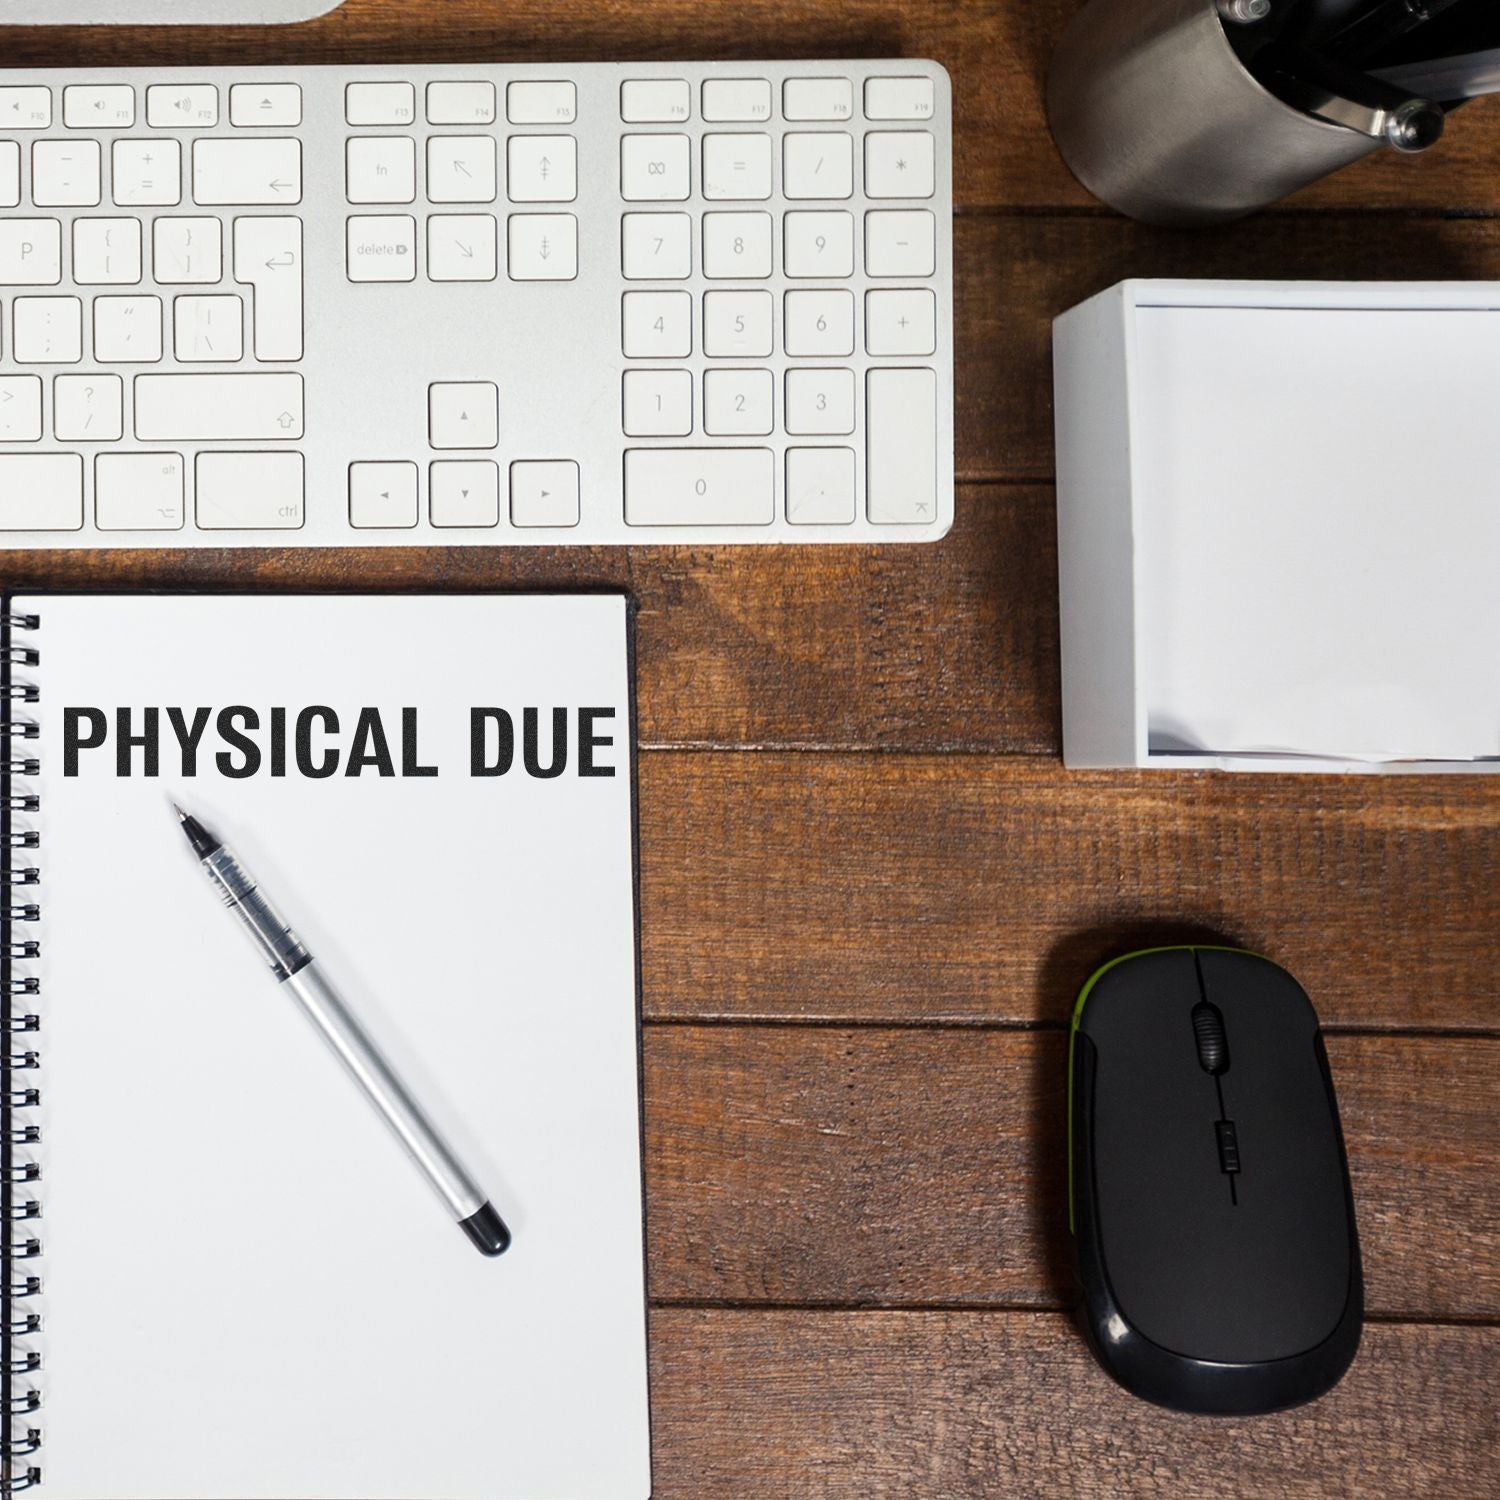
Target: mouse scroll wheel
x,y
1213,1046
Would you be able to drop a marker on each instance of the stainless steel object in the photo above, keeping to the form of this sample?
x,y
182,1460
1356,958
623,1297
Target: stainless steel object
x,y
1155,114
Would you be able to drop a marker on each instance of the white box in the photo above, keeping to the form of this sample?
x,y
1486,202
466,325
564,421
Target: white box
x,y
1279,526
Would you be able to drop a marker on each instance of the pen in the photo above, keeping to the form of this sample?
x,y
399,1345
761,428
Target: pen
x,y
297,972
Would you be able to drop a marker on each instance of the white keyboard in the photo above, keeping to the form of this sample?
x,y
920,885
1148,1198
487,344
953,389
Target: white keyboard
x,y
591,304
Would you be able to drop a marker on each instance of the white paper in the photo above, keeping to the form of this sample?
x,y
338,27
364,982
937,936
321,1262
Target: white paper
x,y
249,1292
1319,537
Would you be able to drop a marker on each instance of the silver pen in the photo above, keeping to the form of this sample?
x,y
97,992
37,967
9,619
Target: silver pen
x,y
295,970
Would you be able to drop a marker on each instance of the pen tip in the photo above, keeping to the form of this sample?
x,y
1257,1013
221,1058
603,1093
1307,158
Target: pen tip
x,y
182,817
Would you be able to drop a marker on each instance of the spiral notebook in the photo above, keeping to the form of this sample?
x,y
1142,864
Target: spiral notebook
x,y
223,1280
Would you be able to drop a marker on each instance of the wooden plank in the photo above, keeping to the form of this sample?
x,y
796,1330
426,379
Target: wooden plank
x,y
998,54
957,888
880,1167
955,1405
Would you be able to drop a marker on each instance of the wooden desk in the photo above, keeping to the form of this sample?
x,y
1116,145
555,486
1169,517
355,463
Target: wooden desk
x,y
870,892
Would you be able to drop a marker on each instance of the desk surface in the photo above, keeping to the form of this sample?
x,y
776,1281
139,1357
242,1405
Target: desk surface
x,y
870,892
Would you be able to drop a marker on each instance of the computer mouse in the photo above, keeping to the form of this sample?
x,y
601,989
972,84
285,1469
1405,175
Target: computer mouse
x,y
1209,1191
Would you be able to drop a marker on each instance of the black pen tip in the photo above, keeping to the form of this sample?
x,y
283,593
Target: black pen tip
x,y
203,842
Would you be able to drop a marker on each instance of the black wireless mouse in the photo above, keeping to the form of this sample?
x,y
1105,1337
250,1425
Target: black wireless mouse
x,y
1209,1192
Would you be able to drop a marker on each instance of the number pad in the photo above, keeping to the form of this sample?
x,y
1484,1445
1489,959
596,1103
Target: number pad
x,y
819,244
736,166
820,403
655,168
737,325
737,403
737,247
658,325
658,403
656,247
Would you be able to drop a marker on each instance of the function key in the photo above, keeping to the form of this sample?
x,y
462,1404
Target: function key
x,y
174,107
817,99
460,104
532,103
898,99
252,104
380,104
736,99
648,101
108,107
25,109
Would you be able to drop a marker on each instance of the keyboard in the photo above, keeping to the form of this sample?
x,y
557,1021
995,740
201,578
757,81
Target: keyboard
x,y
476,306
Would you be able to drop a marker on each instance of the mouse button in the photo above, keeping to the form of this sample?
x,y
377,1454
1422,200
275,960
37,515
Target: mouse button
x,y
1133,1003
1252,992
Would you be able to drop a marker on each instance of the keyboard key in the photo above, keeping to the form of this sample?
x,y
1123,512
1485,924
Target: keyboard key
x,y
208,330
41,492
65,174
139,491
543,492
736,166
249,491
700,487
533,102
262,169
818,164
20,408
899,164
898,99
380,169
464,492
901,446
10,174
380,104
147,174
738,403
30,252
646,101
462,247
736,99
382,247
819,243
900,242
108,107
903,322
541,169
127,330
737,325
542,247
820,323
88,408
383,496
265,104
460,104
658,403
463,414
820,402
106,252
657,325
48,330
737,247
185,251
655,168
25,108
820,486
461,169
656,247
182,106
217,408
268,257
817,99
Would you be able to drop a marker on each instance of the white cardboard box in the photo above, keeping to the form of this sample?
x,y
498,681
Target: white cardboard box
x,y
1279,526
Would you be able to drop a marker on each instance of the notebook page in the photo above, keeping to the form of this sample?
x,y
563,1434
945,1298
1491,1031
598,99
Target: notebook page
x,y
249,1291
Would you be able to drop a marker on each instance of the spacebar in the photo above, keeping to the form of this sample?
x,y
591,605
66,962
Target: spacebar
x,y
209,407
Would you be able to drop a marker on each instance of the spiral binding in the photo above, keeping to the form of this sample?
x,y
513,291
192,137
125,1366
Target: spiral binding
x,y
20,1395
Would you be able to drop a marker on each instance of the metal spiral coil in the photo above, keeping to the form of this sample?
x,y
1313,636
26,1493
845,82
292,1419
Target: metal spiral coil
x,y
18,1395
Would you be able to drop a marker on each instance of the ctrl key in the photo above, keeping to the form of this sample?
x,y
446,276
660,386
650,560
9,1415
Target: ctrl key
x,y
41,492
249,491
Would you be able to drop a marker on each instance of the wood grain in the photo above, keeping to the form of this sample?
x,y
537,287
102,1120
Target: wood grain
x,y
996,50
953,1405
955,888
884,1168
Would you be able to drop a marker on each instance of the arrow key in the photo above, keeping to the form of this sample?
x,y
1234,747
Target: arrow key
x,y
464,492
383,495
544,493
461,247
463,414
